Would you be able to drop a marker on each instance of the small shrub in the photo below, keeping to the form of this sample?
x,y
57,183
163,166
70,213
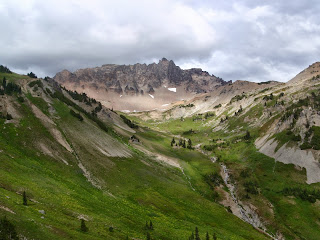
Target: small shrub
x,y
37,82
217,106
20,99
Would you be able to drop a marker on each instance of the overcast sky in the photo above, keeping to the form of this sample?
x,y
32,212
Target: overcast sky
x,y
236,39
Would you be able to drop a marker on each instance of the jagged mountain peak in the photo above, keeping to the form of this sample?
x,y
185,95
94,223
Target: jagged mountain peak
x,y
145,86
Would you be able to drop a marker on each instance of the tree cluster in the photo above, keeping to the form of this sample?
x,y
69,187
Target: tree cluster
x,y
4,69
237,98
37,82
82,97
182,143
128,122
268,97
196,235
32,75
224,119
190,105
59,95
9,88
303,194
77,115
251,187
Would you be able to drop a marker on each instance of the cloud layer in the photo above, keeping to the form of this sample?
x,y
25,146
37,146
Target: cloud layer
x,y
251,40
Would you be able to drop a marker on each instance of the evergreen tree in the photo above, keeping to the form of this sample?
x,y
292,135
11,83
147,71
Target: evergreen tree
x,y
207,236
32,75
184,144
151,226
247,136
197,237
83,227
192,236
189,144
4,83
214,236
173,142
7,230
148,236
4,69
25,200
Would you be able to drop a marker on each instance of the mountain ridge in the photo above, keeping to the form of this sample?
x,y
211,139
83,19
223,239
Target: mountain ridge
x,y
111,82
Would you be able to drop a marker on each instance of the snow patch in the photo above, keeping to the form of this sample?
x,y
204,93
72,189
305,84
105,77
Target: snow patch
x,y
120,95
151,95
165,104
125,111
172,89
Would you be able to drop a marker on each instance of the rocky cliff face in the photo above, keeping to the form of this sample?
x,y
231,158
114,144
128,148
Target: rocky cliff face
x,y
136,80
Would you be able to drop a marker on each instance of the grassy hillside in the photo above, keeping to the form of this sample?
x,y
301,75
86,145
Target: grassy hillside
x,y
72,170
279,192
12,76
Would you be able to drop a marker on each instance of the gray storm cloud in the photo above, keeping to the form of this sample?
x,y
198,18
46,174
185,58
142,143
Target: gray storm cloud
x,y
250,40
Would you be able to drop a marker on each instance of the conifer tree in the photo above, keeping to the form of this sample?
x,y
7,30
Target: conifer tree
x,y
214,236
148,236
184,144
247,136
189,144
7,230
84,228
192,236
173,142
25,200
151,226
207,236
4,83
197,237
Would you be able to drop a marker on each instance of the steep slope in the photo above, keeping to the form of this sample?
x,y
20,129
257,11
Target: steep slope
x,y
265,140
139,86
73,159
310,72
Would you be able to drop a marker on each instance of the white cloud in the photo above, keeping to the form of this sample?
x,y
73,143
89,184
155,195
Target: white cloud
x,y
253,40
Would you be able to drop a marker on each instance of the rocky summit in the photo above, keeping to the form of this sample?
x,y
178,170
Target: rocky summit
x,y
145,86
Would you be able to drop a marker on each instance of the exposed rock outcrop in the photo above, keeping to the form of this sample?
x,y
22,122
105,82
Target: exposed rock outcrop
x,y
109,81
